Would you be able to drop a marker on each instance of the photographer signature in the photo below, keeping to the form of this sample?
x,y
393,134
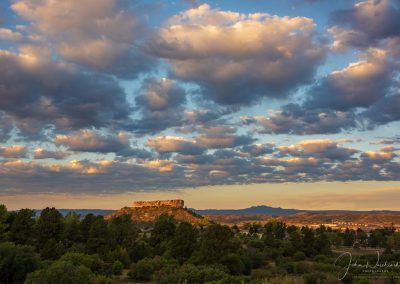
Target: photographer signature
x,y
350,263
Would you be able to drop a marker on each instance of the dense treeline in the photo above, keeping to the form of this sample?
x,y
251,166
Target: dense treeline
x,y
52,248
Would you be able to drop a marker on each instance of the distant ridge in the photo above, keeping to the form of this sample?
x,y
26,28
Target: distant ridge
x,y
82,212
254,210
277,211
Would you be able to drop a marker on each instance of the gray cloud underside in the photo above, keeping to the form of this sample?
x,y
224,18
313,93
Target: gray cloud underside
x,y
307,161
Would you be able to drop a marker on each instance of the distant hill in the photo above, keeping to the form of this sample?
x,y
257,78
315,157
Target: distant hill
x,y
254,210
82,212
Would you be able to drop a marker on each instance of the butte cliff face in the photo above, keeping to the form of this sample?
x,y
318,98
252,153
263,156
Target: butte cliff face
x,y
177,203
148,211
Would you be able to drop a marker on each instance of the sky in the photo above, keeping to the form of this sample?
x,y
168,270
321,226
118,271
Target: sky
x,y
226,104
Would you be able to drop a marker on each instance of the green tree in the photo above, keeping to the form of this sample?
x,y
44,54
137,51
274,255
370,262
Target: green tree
x,y
139,250
143,270
276,229
85,226
52,249
23,227
98,236
349,237
93,262
361,237
296,239
119,254
309,241
16,261
72,233
393,241
117,267
184,241
164,229
50,226
61,272
215,242
234,263
322,244
3,221
122,231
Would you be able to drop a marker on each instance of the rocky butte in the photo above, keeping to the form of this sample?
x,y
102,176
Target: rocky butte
x,y
148,211
177,203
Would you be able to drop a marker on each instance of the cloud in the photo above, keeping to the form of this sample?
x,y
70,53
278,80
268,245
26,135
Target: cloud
x,y
296,119
169,144
365,23
6,126
40,153
388,140
239,58
81,176
217,141
161,105
306,161
14,151
258,149
378,156
10,35
161,95
384,111
360,84
101,35
94,141
319,148
38,92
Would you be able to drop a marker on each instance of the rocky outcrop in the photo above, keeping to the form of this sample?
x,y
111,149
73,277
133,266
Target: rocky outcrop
x,y
148,211
176,203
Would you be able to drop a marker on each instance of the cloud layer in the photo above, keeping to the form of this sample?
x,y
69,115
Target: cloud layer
x,y
115,96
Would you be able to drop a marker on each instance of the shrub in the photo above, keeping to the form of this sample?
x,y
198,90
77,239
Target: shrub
x,y
234,263
299,256
16,261
61,272
142,270
93,262
314,278
117,267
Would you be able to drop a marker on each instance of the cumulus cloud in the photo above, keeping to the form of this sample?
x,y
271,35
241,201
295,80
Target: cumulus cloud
x,y
320,148
296,119
384,111
217,141
14,151
10,35
161,105
160,95
239,58
39,92
169,144
378,156
101,35
365,23
41,153
360,84
94,141
258,149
